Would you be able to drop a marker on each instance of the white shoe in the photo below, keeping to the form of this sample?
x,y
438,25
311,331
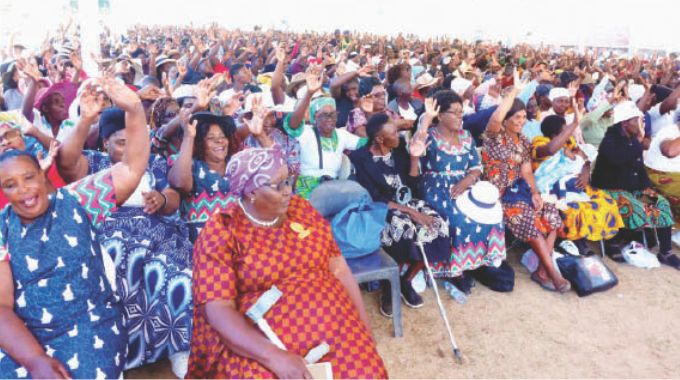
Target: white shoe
x,y
180,363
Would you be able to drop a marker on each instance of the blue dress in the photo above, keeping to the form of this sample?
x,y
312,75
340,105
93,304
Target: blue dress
x,y
472,244
60,289
152,254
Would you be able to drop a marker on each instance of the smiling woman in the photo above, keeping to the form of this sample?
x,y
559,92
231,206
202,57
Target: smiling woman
x,y
54,298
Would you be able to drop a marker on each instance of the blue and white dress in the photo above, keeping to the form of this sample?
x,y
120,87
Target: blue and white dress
x,y
152,255
60,289
472,244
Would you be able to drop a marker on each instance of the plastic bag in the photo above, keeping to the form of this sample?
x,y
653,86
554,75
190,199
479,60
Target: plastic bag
x,y
357,228
587,275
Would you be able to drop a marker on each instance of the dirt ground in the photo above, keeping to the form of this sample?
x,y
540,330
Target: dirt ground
x,y
630,331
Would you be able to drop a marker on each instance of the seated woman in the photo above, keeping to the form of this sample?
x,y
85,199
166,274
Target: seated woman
x,y
16,133
451,166
663,165
198,170
587,213
620,171
372,102
272,238
507,164
145,238
384,168
58,314
322,147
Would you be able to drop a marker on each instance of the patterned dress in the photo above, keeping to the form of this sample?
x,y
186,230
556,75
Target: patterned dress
x,y
595,220
209,193
289,145
473,244
60,288
152,254
234,260
503,160
401,232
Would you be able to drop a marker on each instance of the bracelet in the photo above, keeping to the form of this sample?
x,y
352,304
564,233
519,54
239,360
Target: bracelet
x,y
165,200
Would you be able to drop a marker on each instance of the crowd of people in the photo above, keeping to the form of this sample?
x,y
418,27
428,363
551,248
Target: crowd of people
x,y
149,205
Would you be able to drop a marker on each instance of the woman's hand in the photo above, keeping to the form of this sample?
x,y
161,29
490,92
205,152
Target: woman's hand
x,y
431,108
537,201
422,219
188,127
287,365
120,94
154,201
47,161
314,79
45,367
366,104
256,123
461,187
91,103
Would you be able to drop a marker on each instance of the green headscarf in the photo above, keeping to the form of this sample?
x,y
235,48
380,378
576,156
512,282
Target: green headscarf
x,y
317,104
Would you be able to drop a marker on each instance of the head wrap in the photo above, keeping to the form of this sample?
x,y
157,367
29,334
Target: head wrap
x,y
111,121
67,89
250,169
317,104
158,109
558,92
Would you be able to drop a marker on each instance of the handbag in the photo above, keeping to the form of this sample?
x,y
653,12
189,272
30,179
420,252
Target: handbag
x,y
587,274
499,279
358,227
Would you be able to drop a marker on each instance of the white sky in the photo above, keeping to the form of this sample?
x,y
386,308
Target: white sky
x,y
648,23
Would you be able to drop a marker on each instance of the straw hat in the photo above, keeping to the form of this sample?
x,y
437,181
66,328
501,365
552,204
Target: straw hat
x,y
425,80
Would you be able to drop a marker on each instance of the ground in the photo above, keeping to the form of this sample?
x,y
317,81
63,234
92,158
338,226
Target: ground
x,y
630,331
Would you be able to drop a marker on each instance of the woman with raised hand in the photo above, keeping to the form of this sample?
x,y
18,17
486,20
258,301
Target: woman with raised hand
x,y
58,315
507,164
145,238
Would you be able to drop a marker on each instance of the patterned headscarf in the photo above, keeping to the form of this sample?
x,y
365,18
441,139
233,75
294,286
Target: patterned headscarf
x,y
318,104
250,169
158,111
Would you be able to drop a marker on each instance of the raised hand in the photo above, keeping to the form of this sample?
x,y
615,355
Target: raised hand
x,y
573,88
256,123
91,103
204,93
314,79
431,108
120,94
182,68
281,54
47,161
366,71
366,103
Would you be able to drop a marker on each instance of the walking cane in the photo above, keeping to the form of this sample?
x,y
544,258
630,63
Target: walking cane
x,y
442,312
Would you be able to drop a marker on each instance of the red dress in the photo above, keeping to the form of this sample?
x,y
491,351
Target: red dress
x,y
234,260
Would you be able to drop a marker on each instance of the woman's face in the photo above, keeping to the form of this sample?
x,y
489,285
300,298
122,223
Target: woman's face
x,y
55,107
115,145
560,105
452,119
632,126
326,119
378,94
216,145
10,139
352,91
532,108
25,187
515,123
272,200
389,136
269,123
171,112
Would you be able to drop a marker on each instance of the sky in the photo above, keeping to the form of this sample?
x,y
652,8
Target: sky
x,y
573,22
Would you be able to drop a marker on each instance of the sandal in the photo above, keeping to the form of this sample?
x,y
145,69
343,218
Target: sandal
x,y
547,284
564,288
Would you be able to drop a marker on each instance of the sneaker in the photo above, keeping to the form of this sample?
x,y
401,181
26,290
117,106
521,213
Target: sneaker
x,y
411,298
669,259
386,302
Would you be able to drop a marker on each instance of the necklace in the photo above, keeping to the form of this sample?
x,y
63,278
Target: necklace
x,y
255,220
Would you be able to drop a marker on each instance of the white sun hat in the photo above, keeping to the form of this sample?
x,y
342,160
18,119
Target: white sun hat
x,y
480,203
626,110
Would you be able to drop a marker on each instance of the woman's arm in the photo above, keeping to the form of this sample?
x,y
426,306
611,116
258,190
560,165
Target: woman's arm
x,y
314,83
671,148
278,95
17,340
528,176
245,340
180,175
495,124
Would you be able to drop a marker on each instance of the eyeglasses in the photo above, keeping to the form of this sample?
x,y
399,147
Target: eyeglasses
x,y
327,115
456,115
380,94
10,135
288,182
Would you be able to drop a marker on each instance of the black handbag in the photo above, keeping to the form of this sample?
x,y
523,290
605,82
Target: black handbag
x,y
587,274
501,279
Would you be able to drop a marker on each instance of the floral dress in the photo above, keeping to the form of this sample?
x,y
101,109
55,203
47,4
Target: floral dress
x,y
472,244
235,260
210,192
597,218
152,254
503,160
60,287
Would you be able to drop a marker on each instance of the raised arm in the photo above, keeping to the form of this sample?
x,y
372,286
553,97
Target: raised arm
x,y
128,172
71,163
278,95
671,148
496,121
314,83
180,175
558,141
